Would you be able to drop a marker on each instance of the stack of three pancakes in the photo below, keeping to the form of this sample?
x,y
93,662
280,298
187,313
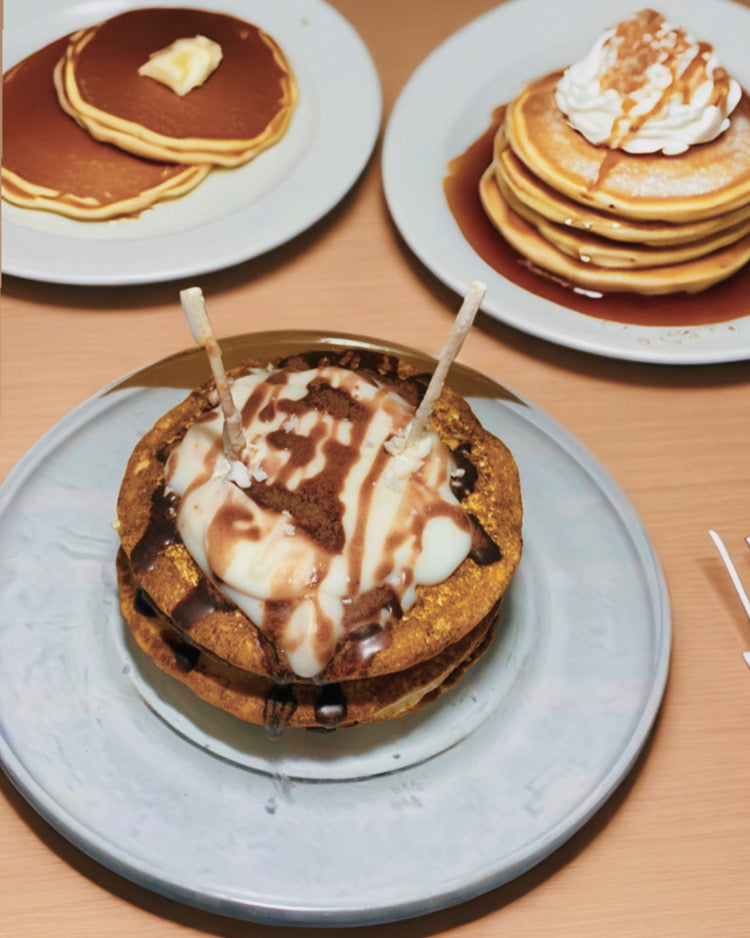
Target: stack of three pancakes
x,y
606,220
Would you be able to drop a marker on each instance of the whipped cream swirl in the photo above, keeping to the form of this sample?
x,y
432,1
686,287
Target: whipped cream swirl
x,y
646,87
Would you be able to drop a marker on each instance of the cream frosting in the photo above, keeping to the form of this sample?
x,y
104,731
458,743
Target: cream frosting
x,y
647,86
333,533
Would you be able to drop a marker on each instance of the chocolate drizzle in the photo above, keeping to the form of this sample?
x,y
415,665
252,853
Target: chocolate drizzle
x,y
462,483
484,551
364,633
143,604
330,707
202,600
279,708
186,654
281,704
160,532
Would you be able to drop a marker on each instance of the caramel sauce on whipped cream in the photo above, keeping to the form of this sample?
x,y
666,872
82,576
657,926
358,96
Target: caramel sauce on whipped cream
x,y
647,86
324,532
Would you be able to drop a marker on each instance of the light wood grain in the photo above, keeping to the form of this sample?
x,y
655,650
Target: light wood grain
x,y
669,854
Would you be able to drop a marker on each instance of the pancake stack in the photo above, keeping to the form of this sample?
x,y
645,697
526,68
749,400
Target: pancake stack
x,y
353,630
87,136
606,220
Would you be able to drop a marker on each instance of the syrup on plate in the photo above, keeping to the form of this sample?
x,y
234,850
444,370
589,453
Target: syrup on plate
x,y
727,300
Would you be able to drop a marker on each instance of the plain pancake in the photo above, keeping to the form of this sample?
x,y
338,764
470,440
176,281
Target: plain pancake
x,y
242,108
51,163
595,250
690,276
258,699
513,175
443,613
707,180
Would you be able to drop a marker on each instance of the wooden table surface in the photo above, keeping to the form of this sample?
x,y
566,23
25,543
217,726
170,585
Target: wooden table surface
x,y
669,854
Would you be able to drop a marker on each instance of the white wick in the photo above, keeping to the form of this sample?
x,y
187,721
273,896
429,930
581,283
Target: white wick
x,y
194,306
461,325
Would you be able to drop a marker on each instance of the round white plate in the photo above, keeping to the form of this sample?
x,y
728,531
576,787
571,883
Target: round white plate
x,y
234,214
359,826
448,103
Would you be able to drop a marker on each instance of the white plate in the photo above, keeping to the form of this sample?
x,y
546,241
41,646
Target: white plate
x,y
448,103
235,214
359,826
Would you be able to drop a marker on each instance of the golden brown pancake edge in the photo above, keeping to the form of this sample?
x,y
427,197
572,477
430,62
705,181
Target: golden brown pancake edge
x,y
689,276
258,699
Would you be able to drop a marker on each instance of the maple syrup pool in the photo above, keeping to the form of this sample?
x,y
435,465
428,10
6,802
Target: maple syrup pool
x,y
725,301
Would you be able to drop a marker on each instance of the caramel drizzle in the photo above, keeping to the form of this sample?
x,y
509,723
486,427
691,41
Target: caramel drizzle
x,y
633,58
367,614
315,505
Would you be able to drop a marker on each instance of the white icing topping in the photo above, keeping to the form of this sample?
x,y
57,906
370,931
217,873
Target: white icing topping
x,y
316,457
647,86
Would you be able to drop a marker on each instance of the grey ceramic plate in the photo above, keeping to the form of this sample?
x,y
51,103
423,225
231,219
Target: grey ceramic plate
x,y
360,826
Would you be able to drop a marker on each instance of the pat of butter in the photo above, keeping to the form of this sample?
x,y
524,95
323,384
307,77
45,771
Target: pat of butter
x,y
185,64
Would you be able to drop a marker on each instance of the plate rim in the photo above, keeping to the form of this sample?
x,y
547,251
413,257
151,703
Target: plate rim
x,y
271,913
